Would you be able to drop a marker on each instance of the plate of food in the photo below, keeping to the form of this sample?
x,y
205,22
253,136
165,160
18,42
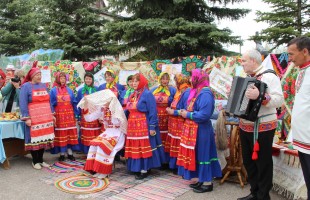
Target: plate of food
x,y
9,117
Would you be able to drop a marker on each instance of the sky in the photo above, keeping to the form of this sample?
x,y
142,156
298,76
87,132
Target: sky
x,y
246,26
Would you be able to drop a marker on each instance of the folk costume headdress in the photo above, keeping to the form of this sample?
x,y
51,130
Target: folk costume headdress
x,y
32,72
200,79
162,88
115,79
89,88
94,102
57,80
129,89
182,83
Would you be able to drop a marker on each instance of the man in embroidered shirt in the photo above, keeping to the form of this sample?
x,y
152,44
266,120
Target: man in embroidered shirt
x,y
299,53
257,152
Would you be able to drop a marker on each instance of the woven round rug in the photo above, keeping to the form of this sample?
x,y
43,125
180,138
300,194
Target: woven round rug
x,y
81,184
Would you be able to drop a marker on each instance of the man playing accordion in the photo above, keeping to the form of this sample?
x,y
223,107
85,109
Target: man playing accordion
x,y
257,137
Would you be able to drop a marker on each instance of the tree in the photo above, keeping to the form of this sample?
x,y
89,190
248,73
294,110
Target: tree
x,y
171,28
74,26
288,19
18,27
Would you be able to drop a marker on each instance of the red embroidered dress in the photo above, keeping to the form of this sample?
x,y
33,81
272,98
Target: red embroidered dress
x,y
65,130
162,100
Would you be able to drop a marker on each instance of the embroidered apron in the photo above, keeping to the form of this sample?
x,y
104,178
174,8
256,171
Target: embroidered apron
x,y
175,129
42,125
187,155
137,141
161,104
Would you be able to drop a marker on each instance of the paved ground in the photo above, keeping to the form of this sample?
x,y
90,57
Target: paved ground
x,y
23,182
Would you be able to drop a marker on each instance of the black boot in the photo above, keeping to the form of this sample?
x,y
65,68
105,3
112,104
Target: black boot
x,y
249,197
141,176
71,157
61,158
196,185
203,188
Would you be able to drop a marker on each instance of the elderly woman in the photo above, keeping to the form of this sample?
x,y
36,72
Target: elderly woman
x,y
175,121
64,105
164,95
143,147
88,130
36,111
10,93
103,149
197,156
111,83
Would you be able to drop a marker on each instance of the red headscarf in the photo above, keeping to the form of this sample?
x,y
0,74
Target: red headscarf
x,y
2,78
143,82
32,72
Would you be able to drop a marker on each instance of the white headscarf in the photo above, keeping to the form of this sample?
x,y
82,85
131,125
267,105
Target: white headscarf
x,y
94,102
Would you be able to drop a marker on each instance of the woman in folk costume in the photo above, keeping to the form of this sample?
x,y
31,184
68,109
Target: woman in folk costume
x,y
64,105
175,121
36,111
164,96
111,83
143,147
88,130
126,93
104,105
197,156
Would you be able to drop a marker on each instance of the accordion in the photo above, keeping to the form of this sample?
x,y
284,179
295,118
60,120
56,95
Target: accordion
x,y
238,104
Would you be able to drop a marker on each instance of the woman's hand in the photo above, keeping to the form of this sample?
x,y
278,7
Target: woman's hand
x,y
183,113
28,122
54,120
152,132
169,111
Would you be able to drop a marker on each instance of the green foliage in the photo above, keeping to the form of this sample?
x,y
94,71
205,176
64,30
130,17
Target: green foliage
x,y
74,26
171,28
288,19
18,27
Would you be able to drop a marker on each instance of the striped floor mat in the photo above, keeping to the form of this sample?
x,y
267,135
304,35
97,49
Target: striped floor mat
x,y
67,166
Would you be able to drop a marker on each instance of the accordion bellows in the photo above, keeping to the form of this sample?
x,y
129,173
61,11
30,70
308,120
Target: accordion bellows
x,y
238,104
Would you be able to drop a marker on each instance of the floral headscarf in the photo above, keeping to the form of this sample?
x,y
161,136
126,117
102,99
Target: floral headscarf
x,y
57,80
199,80
110,85
182,83
161,88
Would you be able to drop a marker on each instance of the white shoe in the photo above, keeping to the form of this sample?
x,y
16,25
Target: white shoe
x,y
37,166
101,176
44,164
